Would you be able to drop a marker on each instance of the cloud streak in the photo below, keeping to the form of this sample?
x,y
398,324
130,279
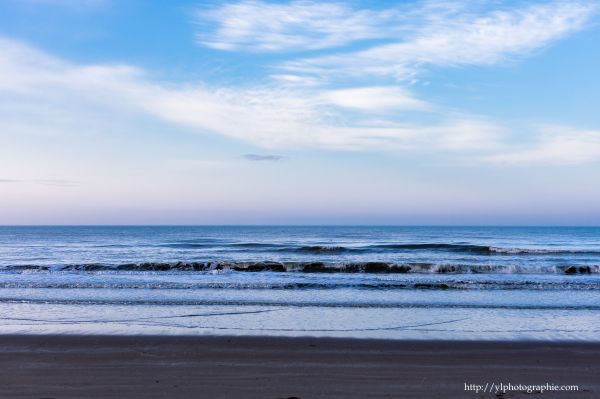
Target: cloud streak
x,y
457,38
259,157
46,182
260,26
301,108
375,99
39,89
556,146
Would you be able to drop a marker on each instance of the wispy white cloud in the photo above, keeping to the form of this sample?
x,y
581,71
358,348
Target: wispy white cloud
x,y
412,35
295,80
314,100
556,145
41,90
298,110
459,37
299,25
375,99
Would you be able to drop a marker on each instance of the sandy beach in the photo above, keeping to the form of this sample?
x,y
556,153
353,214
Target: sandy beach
x,y
267,367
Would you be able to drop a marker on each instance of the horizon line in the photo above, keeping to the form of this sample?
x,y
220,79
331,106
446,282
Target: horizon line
x,y
298,225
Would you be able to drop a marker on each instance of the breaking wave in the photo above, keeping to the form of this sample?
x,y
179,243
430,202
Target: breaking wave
x,y
323,267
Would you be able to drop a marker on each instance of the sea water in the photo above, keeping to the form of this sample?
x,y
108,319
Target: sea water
x,y
508,283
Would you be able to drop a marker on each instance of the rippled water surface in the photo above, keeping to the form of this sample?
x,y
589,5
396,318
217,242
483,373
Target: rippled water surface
x,y
385,282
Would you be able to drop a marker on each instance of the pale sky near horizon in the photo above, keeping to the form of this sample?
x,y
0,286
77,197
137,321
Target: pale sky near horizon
x,y
299,112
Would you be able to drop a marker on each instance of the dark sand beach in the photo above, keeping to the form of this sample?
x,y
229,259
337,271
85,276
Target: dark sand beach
x,y
268,367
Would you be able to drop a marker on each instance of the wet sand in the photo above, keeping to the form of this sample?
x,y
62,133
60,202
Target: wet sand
x,y
265,367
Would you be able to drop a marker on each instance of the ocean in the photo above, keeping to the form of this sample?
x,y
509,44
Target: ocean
x,y
478,283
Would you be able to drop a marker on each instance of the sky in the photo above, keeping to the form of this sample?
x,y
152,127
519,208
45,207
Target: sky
x,y
300,112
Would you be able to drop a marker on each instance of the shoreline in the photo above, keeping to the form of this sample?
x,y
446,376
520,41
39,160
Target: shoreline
x,y
98,366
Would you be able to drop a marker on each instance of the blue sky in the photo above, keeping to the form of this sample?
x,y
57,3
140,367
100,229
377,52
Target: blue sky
x,y
301,112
